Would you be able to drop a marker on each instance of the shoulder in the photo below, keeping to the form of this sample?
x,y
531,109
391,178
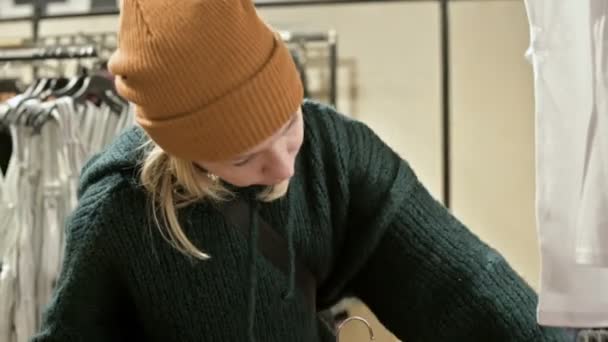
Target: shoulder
x,y
105,210
100,199
319,115
109,185
325,128
120,161
337,134
325,123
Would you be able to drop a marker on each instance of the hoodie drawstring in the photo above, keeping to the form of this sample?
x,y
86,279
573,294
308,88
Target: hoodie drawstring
x,y
292,257
253,251
253,247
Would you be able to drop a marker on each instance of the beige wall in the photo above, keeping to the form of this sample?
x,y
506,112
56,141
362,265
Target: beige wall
x,y
494,129
394,49
15,29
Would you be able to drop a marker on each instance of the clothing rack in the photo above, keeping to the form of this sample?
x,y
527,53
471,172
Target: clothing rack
x,y
445,57
331,38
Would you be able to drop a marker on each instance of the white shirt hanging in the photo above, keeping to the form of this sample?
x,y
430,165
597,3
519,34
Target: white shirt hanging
x,y
568,53
9,236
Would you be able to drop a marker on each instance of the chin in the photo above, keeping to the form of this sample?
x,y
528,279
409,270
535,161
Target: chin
x,y
283,182
278,182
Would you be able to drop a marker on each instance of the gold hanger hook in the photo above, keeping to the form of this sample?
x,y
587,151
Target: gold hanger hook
x,y
352,319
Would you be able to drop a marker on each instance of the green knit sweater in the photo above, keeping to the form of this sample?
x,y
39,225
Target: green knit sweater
x,y
356,215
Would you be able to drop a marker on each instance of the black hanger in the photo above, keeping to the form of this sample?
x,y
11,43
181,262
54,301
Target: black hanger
x,y
24,113
9,86
54,85
42,85
69,86
40,117
15,108
99,89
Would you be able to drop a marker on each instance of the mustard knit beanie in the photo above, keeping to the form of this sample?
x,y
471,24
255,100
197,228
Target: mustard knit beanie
x,y
209,79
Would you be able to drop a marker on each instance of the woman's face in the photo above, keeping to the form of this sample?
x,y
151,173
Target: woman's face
x,y
269,163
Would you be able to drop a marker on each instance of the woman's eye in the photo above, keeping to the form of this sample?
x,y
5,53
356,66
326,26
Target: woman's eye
x,y
241,162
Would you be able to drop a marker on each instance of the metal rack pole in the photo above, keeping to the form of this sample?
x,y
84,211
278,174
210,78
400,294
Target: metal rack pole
x,y
333,68
258,3
446,127
38,4
57,53
36,19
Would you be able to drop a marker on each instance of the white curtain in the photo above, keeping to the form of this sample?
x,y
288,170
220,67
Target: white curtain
x,y
569,54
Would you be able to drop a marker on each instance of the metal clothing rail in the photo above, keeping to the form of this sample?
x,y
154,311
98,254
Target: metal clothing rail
x,y
445,60
258,3
41,53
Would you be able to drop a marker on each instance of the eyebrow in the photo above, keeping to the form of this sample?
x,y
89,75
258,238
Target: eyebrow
x,y
244,158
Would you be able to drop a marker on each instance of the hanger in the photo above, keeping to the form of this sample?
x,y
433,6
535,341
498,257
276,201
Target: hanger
x,y
40,117
17,109
15,105
25,112
101,89
352,319
36,87
41,85
67,87
33,114
54,84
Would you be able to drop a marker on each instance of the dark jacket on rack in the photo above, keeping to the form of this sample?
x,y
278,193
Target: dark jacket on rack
x,y
359,218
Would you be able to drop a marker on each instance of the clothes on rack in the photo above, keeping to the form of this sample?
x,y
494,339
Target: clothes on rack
x,y
569,50
38,193
300,44
8,253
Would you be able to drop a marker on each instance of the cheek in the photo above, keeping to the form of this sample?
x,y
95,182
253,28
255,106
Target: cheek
x,y
296,141
294,147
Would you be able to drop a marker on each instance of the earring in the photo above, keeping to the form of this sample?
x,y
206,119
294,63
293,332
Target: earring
x,y
210,175
213,177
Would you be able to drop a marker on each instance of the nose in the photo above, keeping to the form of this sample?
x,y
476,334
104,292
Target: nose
x,y
280,165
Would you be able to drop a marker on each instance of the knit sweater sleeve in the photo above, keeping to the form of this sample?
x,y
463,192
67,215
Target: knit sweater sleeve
x,y
85,303
420,270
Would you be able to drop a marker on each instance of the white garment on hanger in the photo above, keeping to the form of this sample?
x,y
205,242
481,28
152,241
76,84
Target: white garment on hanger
x,y
36,196
592,223
52,206
9,234
568,52
26,310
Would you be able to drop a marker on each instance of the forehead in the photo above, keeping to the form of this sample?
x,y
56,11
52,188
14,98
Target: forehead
x,y
268,142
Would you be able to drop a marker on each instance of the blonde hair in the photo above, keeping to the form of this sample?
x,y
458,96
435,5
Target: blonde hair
x,y
174,183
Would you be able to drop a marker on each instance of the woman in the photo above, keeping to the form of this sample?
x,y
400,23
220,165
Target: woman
x,y
151,254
